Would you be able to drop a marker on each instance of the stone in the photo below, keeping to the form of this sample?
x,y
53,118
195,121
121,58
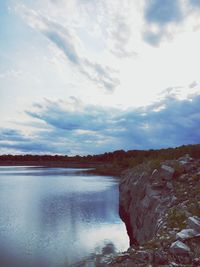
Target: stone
x,y
185,234
185,159
194,223
167,172
178,247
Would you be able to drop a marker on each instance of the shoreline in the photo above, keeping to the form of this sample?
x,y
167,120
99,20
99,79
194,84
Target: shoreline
x,y
95,168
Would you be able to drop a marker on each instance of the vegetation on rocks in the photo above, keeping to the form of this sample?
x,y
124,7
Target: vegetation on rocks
x,y
175,238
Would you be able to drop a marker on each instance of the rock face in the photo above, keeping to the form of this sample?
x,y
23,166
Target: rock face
x,y
143,200
161,209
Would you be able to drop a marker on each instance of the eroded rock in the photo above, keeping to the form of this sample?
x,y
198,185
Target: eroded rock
x,y
142,203
160,210
178,247
194,223
167,172
186,233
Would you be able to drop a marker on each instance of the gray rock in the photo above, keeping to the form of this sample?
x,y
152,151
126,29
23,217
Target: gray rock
x,y
167,172
142,203
194,223
185,159
179,247
167,168
185,234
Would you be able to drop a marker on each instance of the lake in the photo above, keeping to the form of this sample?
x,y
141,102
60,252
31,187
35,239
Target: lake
x,y
56,217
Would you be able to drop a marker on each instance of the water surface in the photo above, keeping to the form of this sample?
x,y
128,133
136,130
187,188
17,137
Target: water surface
x,y
56,217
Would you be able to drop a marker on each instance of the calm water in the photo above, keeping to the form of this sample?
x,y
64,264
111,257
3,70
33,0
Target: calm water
x,y
56,217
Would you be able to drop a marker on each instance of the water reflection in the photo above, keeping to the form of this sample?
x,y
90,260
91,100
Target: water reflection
x,y
56,220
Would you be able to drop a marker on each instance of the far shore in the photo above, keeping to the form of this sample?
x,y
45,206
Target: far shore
x,y
95,168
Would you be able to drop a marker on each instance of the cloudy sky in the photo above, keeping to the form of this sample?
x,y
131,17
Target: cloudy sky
x,y
90,76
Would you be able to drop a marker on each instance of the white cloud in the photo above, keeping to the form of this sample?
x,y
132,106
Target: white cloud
x,y
69,44
74,47
75,128
95,37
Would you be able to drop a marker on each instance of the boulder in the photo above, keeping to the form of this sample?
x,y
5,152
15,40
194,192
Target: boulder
x,y
185,159
185,234
178,247
167,172
194,223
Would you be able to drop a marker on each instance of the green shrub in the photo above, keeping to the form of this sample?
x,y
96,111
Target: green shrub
x,y
177,218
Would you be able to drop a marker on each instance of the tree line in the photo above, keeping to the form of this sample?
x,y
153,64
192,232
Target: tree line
x,y
116,158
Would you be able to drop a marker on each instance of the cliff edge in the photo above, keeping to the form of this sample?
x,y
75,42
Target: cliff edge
x,y
160,205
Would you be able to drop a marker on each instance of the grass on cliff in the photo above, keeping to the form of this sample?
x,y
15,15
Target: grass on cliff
x,y
177,218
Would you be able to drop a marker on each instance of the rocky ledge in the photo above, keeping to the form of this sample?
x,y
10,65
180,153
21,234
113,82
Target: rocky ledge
x,y
160,205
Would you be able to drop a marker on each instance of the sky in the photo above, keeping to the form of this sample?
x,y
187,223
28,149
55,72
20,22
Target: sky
x,y
92,76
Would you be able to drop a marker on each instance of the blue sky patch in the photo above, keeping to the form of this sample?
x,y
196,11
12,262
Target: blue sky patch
x,y
163,11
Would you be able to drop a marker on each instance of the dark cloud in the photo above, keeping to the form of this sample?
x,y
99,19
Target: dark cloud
x,y
163,12
12,140
79,129
73,116
28,147
11,134
160,14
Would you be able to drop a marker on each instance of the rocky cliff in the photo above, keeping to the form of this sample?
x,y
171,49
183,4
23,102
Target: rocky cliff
x,y
144,198
160,205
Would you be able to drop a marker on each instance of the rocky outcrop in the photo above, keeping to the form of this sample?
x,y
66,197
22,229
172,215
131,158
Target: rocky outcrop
x,y
178,247
145,195
160,205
